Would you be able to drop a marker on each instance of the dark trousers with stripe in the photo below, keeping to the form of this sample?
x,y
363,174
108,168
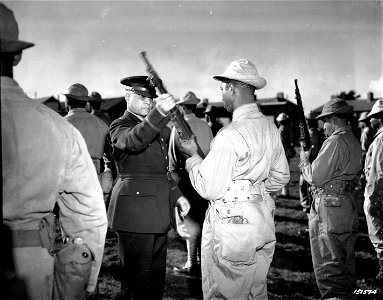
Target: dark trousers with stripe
x,y
143,258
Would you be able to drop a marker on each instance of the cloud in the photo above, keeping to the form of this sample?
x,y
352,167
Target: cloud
x,y
376,86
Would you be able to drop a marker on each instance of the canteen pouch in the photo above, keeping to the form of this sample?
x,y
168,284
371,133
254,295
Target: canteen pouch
x,y
72,270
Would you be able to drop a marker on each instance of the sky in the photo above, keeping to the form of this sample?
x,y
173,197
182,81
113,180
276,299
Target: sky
x,y
329,46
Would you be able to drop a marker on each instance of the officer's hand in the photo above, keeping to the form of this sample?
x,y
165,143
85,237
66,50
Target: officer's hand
x,y
165,103
189,147
183,205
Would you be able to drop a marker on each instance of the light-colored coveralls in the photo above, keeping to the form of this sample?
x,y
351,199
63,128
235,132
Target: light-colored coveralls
x,y
246,162
373,194
45,160
333,219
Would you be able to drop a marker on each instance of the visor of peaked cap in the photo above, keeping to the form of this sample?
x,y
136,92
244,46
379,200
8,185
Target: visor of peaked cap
x,y
96,97
78,92
188,98
282,117
363,116
244,71
335,106
376,108
139,85
9,32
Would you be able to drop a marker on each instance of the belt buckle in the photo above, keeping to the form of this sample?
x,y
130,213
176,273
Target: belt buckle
x,y
169,176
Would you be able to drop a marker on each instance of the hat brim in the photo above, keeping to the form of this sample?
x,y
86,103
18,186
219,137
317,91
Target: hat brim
x,y
189,102
258,82
343,110
14,46
373,113
81,98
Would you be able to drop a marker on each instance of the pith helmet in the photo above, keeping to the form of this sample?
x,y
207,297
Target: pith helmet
x,y
363,116
245,71
335,106
282,117
376,108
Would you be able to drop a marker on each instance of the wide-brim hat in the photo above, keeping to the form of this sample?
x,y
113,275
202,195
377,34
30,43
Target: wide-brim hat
x,y
139,85
9,32
376,108
188,98
78,92
335,106
245,71
282,117
363,116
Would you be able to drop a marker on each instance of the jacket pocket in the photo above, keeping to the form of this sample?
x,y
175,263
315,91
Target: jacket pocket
x,y
238,243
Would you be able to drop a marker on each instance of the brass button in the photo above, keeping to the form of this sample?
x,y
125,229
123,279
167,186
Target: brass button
x,y
137,193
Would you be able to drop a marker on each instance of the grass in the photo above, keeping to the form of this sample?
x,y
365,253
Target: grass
x,y
291,273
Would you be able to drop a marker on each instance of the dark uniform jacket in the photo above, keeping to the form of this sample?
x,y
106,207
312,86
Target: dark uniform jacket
x,y
143,196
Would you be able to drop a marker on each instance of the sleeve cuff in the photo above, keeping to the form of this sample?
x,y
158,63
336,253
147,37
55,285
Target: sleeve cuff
x,y
191,162
156,119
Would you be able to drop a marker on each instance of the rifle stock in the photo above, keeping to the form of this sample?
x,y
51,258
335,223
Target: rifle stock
x,y
182,127
304,136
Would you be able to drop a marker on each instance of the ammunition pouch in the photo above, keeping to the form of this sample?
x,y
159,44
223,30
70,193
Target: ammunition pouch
x,y
337,187
72,261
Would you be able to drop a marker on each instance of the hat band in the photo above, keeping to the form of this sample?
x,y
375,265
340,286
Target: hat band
x,y
134,89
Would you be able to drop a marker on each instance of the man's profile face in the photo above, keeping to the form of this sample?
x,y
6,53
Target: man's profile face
x,y
138,104
226,97
329,125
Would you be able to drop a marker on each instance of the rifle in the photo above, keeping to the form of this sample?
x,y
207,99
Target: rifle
x,y
304,136
182,127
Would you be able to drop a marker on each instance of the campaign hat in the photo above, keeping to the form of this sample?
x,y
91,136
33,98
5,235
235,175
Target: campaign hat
x,y
245,71
335,106
139,85
78,91
9,32
376,108
188,98
97,97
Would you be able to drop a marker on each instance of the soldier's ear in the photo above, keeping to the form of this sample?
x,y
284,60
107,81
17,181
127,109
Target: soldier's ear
x,y
17,58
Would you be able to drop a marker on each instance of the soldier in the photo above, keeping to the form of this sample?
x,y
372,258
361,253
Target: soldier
x,y
190,227
316,141
333,219
144,195
287,141
95,105
245,163
373,168
211,118
45,161
93,129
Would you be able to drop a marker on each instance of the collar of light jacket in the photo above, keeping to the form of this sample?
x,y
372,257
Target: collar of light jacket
x,y
344,128
246,109
380,130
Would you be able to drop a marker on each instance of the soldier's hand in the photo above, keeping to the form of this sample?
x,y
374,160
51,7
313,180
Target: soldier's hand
x,y
184,206
305,155
189,147
165,103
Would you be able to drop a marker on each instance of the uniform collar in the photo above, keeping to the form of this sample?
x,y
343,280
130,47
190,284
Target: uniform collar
x,y
341,129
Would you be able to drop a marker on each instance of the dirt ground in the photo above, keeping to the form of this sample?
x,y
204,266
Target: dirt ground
x,y
291,274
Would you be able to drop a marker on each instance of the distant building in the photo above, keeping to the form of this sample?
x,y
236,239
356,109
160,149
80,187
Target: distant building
x,y
53,103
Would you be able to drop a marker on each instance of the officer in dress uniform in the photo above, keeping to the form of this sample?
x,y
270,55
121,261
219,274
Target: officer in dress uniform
x,y
144,195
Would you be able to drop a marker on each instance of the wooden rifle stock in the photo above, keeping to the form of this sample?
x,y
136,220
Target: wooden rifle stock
x,y
304,136
182,127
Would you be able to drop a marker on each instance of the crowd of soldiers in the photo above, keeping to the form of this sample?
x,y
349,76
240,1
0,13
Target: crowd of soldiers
x,y
138,176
